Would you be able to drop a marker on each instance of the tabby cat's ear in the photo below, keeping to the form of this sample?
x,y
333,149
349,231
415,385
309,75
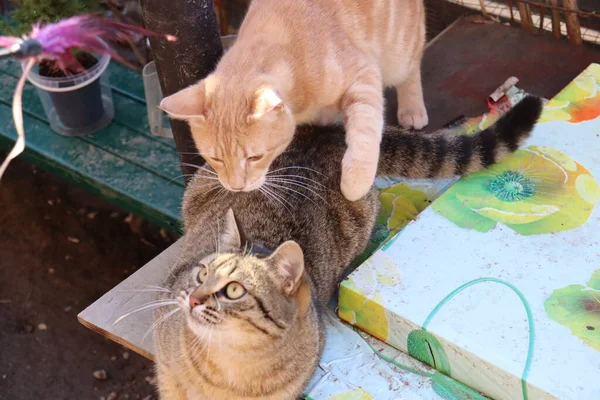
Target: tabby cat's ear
x,y
186,104
232,236
265,102
289,260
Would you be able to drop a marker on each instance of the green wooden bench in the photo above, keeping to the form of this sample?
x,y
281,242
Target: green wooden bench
x,y
122,163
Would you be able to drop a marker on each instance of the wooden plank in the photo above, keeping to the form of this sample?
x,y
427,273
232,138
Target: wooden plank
x,y
122,163
102,314
555,19
100,172
143,150
157,158
127,81
525,13
462,67
130,109
572,22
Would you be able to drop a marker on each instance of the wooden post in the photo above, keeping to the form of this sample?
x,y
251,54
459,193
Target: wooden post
x,y
542,12
555,19
483,9
184,62
525,13
572,21
221,12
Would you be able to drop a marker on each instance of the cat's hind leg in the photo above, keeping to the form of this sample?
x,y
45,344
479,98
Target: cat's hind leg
x,y
411,106
362,109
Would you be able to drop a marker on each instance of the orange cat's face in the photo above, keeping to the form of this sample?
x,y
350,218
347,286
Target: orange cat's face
x,y
239,138
242,157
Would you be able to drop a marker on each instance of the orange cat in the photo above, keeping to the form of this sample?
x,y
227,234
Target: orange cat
x,y
305,61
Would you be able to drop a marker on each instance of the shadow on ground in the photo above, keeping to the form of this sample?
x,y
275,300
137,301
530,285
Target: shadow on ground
x,y
61,249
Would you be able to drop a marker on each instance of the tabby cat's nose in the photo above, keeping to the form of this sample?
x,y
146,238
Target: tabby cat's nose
x,y
194,302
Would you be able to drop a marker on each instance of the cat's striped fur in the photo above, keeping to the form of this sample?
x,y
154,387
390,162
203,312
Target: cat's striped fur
x,y
447,155
267,344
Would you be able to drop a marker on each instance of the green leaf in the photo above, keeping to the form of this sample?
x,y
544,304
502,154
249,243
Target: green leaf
x,y
29,12
578,308
450,389
594,282
423,346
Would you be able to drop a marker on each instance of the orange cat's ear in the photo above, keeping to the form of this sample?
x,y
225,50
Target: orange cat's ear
x,y
265,101
187,103
290,264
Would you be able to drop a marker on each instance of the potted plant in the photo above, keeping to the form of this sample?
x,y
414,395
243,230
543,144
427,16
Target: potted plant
x,y
68,45
76,97
77,101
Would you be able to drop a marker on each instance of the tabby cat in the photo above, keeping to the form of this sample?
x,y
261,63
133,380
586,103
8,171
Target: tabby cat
x,y
296,62
250,285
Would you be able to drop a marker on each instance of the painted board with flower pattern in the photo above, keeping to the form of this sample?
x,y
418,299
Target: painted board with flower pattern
x,y
355,366
497,283
365,368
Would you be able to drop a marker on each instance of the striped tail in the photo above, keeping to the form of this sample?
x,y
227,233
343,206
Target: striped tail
x,y
445,155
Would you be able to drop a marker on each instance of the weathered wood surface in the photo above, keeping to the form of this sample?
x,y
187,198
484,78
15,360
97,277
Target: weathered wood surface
x,y
463,65
122,163
133,331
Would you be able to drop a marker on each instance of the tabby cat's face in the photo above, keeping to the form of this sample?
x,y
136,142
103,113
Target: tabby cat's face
x,y
241,299
235,299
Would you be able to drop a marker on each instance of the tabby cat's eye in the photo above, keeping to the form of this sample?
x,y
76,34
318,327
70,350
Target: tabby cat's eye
x,y
256,158
234,291
202,274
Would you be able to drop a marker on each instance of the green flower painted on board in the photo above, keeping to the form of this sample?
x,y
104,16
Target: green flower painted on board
x,y
425,347
450,389
578,308
536,190
399,205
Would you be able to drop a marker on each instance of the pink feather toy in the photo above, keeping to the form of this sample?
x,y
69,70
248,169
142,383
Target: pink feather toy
x,y
89,33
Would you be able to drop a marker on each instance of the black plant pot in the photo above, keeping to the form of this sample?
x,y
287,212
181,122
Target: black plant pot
x,y
81,107
78,104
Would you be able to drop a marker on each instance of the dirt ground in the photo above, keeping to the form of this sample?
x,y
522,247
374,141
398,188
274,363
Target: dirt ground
x,y
60,250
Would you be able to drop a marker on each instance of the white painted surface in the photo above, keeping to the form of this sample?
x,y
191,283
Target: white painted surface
x,y
434,256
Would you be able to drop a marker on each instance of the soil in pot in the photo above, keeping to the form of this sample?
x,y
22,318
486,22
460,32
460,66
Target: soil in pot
x,y
81,107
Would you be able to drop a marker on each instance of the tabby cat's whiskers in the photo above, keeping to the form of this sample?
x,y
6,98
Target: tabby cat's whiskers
x,y
148,288
148,306
159,321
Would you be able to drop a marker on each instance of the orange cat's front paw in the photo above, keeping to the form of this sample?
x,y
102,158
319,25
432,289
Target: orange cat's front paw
x,y
357,177
414,117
